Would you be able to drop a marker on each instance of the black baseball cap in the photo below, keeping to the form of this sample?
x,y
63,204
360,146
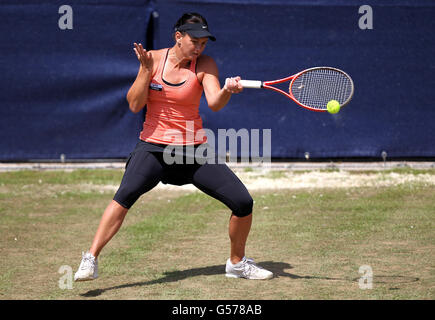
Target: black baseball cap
x,y
196,30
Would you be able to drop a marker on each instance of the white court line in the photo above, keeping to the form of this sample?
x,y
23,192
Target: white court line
x,y
291,166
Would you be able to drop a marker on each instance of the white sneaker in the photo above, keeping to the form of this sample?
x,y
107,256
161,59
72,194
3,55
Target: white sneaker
x,y
88,269
246,269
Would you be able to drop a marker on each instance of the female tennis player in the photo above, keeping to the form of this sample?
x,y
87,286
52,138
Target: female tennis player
x,y
170,83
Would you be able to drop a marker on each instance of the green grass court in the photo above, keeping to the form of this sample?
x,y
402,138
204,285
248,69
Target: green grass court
x,y
174,243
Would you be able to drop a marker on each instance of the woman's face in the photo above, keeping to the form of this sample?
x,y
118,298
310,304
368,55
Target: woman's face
x,y
191,47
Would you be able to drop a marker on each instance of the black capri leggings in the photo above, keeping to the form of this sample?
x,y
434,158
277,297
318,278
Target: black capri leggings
x,y
145,169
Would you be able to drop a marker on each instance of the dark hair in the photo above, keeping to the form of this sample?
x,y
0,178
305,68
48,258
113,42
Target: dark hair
x,y
190,17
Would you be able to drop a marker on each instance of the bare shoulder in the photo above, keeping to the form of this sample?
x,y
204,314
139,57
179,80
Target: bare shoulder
x,y
206,64
157,54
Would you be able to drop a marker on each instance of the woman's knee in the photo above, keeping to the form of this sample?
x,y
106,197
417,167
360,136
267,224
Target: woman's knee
x,y
244,206
126,196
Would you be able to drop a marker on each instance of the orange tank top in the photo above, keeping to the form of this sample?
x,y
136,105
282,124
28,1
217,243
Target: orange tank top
x,y
172,115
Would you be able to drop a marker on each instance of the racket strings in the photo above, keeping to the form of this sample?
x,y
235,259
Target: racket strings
x,y
315,88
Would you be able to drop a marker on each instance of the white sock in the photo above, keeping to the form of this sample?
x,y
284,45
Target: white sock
x,y
238,263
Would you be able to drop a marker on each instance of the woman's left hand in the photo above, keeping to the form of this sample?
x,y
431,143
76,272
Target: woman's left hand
x,y
233,85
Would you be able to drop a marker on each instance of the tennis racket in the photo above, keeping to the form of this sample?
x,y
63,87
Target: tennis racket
x,y
312,88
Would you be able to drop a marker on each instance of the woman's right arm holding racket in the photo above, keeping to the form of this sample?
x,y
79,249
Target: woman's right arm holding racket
x,y
137,97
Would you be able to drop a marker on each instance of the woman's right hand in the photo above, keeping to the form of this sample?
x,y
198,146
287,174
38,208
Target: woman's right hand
x,y
137,95
145,58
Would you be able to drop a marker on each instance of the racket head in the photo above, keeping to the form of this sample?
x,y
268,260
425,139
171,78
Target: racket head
x,y
313,88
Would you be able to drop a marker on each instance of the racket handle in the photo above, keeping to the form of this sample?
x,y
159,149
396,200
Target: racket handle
x,y
254,84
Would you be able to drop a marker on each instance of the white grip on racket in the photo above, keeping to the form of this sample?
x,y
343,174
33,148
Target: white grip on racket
x,y
254,84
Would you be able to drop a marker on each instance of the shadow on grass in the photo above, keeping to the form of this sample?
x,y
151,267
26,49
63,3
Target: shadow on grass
x,y
278,269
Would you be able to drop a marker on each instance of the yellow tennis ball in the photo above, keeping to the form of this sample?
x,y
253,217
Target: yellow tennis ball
x,y
333,106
